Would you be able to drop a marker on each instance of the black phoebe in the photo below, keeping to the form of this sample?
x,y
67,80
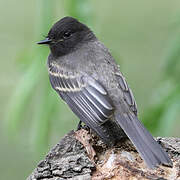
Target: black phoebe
x,y
85,75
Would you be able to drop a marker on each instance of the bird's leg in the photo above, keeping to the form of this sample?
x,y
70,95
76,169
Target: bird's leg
x,y
79,125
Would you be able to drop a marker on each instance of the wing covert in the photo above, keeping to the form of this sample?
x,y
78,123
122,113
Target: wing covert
x,y
128,95
86,96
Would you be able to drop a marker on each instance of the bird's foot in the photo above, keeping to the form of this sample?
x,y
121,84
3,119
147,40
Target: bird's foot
x,y
79,125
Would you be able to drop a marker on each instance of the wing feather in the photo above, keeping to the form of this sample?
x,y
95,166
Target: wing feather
x,y
86,97
128,95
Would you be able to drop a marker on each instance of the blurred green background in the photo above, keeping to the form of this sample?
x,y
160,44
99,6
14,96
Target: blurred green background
x,y
144,38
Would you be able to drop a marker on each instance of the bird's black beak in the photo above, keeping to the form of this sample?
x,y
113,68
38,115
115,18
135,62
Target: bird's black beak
x,y
45,41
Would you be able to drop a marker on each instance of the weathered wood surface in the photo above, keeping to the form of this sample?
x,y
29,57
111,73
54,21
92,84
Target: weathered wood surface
x,y
82,156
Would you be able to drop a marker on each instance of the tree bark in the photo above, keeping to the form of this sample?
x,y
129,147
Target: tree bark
x,y
81,155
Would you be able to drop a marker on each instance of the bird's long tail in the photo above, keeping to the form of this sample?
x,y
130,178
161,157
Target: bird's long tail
x,y
150,151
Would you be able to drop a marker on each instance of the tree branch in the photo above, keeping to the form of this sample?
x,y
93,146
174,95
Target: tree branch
x,y
82,155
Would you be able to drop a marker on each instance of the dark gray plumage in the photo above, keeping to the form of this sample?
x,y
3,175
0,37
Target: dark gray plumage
x,y
85,75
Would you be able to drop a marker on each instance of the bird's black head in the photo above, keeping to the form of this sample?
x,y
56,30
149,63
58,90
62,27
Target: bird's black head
x,y
67,35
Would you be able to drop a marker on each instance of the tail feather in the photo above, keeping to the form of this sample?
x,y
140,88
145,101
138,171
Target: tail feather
x,y
152,153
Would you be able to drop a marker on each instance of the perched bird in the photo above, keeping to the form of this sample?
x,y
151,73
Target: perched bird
x,y
85,75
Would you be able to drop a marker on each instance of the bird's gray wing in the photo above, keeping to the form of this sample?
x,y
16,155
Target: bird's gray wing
x,y
127,93
86,97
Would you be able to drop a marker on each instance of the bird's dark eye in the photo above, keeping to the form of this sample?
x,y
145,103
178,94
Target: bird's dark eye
x,y
67,34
